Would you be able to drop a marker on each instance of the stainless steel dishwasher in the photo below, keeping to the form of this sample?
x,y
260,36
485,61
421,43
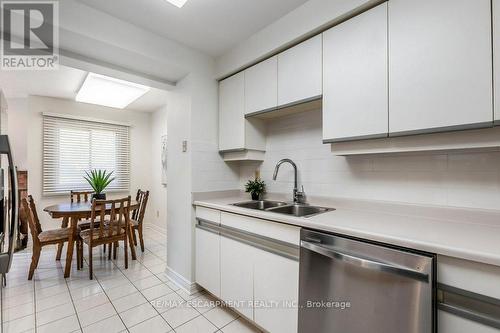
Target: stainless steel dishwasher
x,y
353,286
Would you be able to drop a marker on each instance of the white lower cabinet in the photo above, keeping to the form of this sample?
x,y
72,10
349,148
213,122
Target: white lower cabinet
x,y
276,292
208,260
236,266
450,323
232,264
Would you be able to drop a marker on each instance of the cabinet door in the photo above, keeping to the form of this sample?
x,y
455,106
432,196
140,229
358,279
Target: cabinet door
x,y
261,86
276,283
231,113
449,323
355,104
496,57
300,72
440,65
208,261
237,275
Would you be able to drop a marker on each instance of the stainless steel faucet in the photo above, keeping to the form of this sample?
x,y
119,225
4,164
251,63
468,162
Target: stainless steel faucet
x,y
298,196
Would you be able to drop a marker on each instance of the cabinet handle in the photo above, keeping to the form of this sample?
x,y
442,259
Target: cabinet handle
x,y
364,262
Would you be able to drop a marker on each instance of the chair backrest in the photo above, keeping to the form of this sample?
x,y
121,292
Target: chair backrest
x,y
81,196
118,212
33,221
142,200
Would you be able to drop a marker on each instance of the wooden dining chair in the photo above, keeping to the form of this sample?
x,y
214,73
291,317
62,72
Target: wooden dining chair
x,y
76,196
42,238
111,218
81,196
138,217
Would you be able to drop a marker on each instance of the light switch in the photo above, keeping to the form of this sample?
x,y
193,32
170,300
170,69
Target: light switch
x,y
184,146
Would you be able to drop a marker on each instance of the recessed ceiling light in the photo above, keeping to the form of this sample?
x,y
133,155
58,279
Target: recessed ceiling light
x,y
178,3
108,91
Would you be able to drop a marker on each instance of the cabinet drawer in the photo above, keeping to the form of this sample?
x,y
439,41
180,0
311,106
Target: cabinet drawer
x,y
449,323
207,214
464,274
274,230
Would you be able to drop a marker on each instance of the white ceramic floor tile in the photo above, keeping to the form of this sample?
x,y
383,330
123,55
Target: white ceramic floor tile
x,y
198,325
138,274
187,296
204,303
154,325
128,302
87,291
51,291
55,313
167,302
19,325
179,315
147,283
138,314
240,326
18,312
96,314
221,316
156,291
121,291
90,302
50,302
110,325
65,325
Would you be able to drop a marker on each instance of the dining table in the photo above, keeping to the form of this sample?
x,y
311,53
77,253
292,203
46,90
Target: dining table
x,y
71,213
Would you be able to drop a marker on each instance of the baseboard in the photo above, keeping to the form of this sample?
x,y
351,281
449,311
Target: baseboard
x,y
181,282
156,228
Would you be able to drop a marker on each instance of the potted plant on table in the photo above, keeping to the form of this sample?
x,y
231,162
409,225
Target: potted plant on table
x,y
99,180
256,188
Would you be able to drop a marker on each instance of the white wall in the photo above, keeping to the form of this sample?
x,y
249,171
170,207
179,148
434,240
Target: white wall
x,y
306,20
157,203
192,116
453,179
25,130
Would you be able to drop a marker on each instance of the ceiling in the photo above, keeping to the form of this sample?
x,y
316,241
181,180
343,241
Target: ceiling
x,y
210,26
65,83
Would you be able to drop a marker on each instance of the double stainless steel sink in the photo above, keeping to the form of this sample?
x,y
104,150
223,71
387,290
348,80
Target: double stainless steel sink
x,y
294,209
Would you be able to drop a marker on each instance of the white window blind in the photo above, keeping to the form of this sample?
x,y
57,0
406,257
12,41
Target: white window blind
x,y
73,146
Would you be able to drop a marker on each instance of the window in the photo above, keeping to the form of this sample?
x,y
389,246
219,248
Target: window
x,y
73,146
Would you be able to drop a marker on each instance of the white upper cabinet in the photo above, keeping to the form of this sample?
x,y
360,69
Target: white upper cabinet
x,y
300,72
261,86
496,57
232,113
355,88
239,138
440,67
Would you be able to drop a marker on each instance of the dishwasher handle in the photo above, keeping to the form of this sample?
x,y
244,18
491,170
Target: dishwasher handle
x,y
367,263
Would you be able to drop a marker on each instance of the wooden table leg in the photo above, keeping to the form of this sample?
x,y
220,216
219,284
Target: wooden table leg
x,y
64,224
131,242
71,245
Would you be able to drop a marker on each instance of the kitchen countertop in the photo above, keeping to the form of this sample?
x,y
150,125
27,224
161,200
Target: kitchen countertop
x,y
471,234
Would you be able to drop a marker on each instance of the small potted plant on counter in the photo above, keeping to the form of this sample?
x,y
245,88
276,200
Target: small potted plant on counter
x,y
99,180
256,188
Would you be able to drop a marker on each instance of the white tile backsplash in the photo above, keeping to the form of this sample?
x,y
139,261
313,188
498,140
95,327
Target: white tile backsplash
x,y
449,179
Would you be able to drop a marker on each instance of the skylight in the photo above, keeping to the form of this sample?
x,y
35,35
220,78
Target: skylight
x,y
108,91
178,3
